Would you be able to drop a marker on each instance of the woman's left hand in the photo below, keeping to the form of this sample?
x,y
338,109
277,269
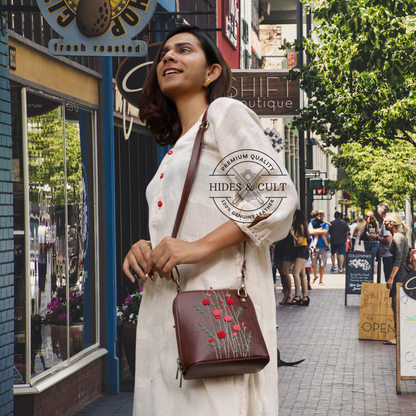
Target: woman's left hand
x,y
171,252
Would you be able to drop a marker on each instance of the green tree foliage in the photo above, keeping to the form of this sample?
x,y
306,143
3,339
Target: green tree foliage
x,y
361,83
376,174
361,77
46,157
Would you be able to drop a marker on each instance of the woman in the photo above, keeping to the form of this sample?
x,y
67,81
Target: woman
x,y
189,76
284,257
399,249
371,232
300,234
357,234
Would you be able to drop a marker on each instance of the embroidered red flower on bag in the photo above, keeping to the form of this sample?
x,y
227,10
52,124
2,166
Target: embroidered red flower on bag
x,y
211,340
236,327
230,301
205,302
227,318
159,204
218,317
216,312
221,334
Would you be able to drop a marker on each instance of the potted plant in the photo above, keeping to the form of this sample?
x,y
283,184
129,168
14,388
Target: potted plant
x,y
56,316
127,314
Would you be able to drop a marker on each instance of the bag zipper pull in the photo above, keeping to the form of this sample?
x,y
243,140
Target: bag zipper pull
x,y
179,368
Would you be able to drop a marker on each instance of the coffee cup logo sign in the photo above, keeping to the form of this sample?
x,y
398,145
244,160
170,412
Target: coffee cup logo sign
x,y
97,27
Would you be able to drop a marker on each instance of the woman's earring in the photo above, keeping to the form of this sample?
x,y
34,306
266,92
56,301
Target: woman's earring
x,y
207,83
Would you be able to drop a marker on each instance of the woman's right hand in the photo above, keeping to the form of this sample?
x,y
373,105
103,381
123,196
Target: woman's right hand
x,y
139,255
389,283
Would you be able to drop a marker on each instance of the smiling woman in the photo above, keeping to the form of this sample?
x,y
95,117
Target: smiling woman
x,y
188,79
194,48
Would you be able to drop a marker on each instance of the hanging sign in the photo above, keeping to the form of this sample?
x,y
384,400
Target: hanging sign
x,y
409,285
266,92
97,27
132,73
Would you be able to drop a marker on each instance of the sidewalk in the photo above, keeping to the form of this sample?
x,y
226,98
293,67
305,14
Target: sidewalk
x,y
341,375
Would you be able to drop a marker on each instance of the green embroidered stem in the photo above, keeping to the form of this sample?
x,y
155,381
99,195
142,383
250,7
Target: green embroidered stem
x,y
216,347
235,315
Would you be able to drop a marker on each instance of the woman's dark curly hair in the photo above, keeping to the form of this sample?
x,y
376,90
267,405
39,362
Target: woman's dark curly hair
x,y
159,112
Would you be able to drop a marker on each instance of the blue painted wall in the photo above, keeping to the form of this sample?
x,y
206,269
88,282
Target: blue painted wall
x,y
6,238
113,375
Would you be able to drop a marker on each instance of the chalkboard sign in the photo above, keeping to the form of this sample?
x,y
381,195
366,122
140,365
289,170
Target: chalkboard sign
x,y
359,269
406,337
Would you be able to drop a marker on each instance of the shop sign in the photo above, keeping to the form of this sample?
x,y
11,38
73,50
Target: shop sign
x,y
132,73
266,92
256,45
97,27
292,58
232,18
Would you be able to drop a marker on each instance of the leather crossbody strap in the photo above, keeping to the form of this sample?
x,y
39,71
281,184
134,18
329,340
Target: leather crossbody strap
x,y
193,163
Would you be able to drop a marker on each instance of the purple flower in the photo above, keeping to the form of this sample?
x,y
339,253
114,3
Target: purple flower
x,y
128,300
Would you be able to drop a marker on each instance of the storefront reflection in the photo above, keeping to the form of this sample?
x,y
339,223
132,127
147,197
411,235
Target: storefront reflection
x,y
59,228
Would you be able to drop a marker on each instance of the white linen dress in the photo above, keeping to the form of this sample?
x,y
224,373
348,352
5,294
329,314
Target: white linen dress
x,y
233,127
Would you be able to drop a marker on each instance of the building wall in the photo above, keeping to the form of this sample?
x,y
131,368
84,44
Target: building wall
x,y
6,238
230,52
271,41
65,397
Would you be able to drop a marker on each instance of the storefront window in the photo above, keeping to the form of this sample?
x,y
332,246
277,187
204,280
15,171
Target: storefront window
x,y
56,281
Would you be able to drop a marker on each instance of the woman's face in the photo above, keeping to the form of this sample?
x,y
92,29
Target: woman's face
x,y
389,225
182,68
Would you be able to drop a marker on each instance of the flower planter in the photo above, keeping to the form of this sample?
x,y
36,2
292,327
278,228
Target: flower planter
x,y
59,340
129,343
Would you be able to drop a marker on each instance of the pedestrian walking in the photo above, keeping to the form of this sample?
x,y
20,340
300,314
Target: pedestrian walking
x,y
384,239
338,231
318,245
300,234
188,77
284,257
399,249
